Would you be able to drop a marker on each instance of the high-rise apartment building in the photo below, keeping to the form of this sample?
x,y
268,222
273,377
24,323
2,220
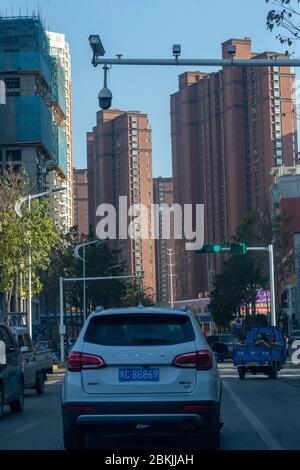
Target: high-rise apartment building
x,y
119,152
164,247
229,128
80,192
62,203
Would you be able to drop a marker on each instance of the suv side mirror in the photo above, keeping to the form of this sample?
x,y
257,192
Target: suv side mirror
x,y
24,349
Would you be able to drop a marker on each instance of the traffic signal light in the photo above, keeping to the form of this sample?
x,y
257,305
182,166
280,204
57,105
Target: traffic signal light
x,y
238,248
210,248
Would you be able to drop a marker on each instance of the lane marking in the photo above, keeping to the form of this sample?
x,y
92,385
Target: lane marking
x,y
264,434
26,427
33,424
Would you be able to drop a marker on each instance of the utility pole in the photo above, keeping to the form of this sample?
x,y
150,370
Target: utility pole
x,y
171,275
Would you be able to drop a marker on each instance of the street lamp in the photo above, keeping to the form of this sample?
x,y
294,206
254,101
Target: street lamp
x,y
19,214
76,252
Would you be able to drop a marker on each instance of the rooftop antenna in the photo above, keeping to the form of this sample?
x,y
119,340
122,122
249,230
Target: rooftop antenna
x,y
27,8
12,8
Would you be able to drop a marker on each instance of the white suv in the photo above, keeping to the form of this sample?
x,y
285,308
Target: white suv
x,y
140,368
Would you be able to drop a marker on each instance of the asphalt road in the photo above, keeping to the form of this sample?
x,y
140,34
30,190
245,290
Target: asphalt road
x,y
258,414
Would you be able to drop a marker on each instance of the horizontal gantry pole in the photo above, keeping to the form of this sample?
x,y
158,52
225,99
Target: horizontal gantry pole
x,y
201,62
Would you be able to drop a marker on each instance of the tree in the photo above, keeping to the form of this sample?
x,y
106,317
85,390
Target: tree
x,y
285,15
35,230
236,286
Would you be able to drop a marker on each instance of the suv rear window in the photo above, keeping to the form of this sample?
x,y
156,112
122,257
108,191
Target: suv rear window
x,y
139,330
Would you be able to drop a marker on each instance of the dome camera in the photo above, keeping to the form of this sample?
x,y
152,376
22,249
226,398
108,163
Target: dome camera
x,y
105,98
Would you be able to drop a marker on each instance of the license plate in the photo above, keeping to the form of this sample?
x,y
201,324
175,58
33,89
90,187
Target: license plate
x,y
252,363
139,375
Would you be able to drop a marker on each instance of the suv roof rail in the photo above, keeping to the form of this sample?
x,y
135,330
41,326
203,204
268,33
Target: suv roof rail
x,y
184,308
99,308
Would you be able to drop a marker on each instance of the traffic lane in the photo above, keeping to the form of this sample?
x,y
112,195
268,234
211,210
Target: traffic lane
x,y
39,426
274,403
237,434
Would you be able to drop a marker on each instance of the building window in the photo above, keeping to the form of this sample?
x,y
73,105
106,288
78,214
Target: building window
x,y
12,83
12,93
13,155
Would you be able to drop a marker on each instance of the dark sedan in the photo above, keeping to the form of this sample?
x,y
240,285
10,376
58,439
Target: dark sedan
x,y
228,340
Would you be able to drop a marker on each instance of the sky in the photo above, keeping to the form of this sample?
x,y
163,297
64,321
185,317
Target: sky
x,y
143,29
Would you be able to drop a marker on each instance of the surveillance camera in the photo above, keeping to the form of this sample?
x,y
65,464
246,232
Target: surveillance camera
x,y
176,49
231,49
105,98
96,45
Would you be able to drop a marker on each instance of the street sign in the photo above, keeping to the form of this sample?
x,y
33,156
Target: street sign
x,y
205,318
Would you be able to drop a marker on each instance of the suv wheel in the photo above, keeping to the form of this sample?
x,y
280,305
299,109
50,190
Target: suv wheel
x,y
17,406
74,440
214,440
40,383
1,402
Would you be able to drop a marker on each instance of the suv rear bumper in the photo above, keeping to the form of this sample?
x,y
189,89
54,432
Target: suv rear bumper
x,y
153,417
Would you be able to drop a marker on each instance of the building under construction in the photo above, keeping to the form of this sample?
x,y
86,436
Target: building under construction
x,y
32,122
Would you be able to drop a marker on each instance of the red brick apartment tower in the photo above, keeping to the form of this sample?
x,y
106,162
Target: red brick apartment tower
x,y
120,164
229,128
163,194
80,202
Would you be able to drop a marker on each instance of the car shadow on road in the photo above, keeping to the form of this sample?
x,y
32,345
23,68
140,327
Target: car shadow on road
x,y
145,443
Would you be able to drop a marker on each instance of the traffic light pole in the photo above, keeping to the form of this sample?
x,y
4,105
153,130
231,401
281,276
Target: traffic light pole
x,y
270,250
242,250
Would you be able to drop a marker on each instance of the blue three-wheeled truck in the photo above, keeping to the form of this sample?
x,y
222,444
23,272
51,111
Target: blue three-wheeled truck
x,y
264,352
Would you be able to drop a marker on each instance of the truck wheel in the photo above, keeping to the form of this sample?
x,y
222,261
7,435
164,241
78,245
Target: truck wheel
x,y
40,383
241,372
1,402
17,406
273,373
74,441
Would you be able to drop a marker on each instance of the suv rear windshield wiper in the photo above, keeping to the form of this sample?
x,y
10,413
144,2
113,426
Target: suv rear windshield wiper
x,y
151,341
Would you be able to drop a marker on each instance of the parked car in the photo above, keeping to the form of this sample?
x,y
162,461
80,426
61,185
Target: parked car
x,y
227,339
141,368
36,363
11,373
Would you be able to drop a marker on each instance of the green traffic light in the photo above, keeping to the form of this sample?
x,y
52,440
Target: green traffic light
x,y
217,248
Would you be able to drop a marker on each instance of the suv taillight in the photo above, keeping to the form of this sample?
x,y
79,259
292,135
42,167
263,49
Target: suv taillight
x,y
82,361
200,360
